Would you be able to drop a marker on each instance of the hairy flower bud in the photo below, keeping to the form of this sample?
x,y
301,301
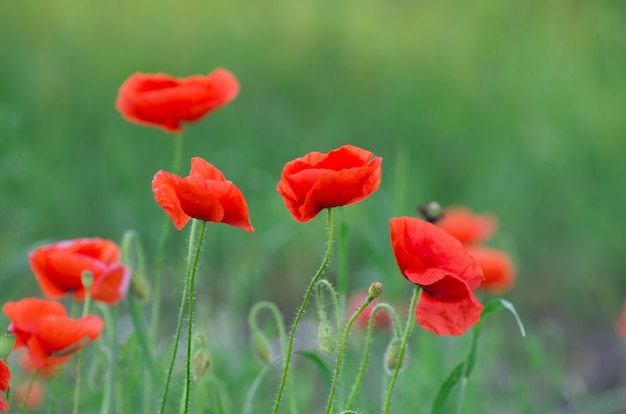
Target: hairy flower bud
x,y
200,363
376,289
392,355
261,346
326,338
139,287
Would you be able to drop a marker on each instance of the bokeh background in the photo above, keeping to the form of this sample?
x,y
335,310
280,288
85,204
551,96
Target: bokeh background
x,y
513,107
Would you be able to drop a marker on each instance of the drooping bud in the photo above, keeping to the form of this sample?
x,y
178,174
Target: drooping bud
x,y
200,363
326,337
392,355
431,211
376,289
7,341
261,346
140,287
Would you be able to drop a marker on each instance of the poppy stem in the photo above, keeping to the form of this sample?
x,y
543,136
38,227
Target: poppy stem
x,y
165,233
342,347
192,277
366,349
405,339
292,335
28,390
181,313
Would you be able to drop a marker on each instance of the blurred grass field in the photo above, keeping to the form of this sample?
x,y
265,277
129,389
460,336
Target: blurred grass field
x,y
512,107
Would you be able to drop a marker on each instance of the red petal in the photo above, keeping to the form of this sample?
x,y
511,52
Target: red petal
x,y
3,404
419,245
26,314
206,170
112,285
498,270
5,376
233,203
164,188
197,201
467,226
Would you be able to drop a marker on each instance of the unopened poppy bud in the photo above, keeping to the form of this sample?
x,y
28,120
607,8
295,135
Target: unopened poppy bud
x,y
139,287
431,211
200,363
376,289
87,278
7,341
261,346
392,355
326,338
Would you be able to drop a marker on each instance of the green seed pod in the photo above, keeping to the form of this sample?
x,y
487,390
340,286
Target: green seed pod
x,y
140,287
7,341
392,355
261,346
326,338
376,289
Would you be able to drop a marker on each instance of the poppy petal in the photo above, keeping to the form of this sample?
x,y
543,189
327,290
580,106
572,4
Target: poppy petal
x,y
448,317
164,188
112,285
206,170
5,376
197,201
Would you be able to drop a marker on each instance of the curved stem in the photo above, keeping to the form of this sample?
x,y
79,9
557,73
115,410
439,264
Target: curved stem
x,y
342,347
192,281
405,339
320,303
368,340
292,335
165,232
28,390
181,313
110,322
80,356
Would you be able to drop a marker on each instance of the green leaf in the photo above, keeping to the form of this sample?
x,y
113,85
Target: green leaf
x,y
464,369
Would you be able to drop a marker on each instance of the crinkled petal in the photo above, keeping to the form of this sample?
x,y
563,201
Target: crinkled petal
x,y
164,187
197,200
5,376
26,314
112,285
206,170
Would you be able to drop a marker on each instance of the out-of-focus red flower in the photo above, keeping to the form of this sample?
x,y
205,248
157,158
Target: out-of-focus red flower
x,y
27,366
204,194
431,258
317,181
382,319
35,398
467,226
498,270
620,325
58,268
162,101
47,332
5,376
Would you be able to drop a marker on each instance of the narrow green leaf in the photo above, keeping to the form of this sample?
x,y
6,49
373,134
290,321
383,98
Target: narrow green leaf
x,y
446,387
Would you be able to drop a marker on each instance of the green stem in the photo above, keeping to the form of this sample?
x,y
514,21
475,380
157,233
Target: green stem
x,y
110,322
292,335
142,338
80,356
320,304
28,390
405,339
165,232
181,313
342,347
368,340
187,394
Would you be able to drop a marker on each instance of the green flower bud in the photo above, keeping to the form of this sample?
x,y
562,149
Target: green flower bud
x,y
139,287
261,346
87,278
326,338
200,363
7,341
392,355
431,211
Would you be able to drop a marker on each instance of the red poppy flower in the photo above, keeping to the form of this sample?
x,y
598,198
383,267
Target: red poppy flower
x,y
204,194
5,376
47,332
382,319
162,101
317,181
498,270
58,268
431,258
467,226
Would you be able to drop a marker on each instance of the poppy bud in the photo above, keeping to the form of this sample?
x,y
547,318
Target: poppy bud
x,y
139,287
392,355
7,341
326,337
261,346
376,289
200,363
431,211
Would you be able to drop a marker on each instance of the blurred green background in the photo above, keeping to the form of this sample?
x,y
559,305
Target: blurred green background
x,y
513,107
